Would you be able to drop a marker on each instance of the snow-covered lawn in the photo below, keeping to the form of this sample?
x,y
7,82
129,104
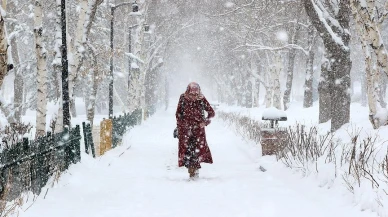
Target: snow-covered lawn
x,y
141,178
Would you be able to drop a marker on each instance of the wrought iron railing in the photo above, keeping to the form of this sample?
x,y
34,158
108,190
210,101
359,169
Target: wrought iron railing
x,y
27,165
122,123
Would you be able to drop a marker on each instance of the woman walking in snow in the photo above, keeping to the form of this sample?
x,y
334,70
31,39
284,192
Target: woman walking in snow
x,y
191,122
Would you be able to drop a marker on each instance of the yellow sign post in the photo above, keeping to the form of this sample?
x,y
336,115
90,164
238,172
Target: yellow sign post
x,y
106,136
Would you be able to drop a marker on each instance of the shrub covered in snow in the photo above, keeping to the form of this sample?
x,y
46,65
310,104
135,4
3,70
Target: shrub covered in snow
x,y
360,165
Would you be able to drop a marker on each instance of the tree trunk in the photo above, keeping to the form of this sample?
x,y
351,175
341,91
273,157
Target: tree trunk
x,y
59,120
166,96
276,83
269,88
383,90
372,77
57,66
248,94
368,21
290,77
18,82
363,90
3,51
324,92
93,91
308,85
340,105
93,97
336,41
41,55
372,74
291,61
78,51
256,96
138,76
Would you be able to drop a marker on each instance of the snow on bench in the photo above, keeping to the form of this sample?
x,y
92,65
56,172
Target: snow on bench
x,y
274,114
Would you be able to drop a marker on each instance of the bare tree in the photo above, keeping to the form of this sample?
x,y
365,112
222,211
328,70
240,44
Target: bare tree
x,y
41,56
3,50
308,85
331,19
368,24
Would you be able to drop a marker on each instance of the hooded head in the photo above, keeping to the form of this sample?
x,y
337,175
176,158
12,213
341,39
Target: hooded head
x,y
193,91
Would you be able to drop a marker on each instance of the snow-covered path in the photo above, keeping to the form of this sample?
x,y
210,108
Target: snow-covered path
x,y
141,178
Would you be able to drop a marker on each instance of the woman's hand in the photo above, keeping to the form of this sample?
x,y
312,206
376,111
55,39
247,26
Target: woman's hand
x,y
205,123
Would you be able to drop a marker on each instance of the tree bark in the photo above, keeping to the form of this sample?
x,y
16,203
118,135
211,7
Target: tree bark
x,y
79,50
308,85
290,66
336,40
290,78
248,94
256,93
324,92
383,90
41,55
276,82
363,23
57,66
363,90
138,75
269,88
371,28
3,51
93,90
166,95
18,82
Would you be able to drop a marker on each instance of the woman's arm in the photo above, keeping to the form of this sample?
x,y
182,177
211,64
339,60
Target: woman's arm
x,y
179,110
210,111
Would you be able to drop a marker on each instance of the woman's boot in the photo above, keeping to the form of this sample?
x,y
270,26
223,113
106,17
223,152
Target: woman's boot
x,y
196,173
192,172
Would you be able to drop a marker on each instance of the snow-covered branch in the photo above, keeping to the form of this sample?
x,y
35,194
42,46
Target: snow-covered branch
x,y
267,48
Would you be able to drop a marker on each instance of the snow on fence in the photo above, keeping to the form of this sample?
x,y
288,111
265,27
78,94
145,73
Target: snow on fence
x,y
27,165
122,123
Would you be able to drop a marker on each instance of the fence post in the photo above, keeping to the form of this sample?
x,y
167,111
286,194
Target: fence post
x,y
85,138
90,139
77,144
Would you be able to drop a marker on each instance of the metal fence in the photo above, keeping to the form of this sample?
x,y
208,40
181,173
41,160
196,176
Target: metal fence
x,y
28,165
122,123
88,139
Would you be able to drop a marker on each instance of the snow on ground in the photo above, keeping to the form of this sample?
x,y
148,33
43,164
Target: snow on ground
x,y
329,175
141,178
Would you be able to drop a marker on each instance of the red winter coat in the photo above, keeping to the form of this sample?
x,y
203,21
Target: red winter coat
x,y
192,117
